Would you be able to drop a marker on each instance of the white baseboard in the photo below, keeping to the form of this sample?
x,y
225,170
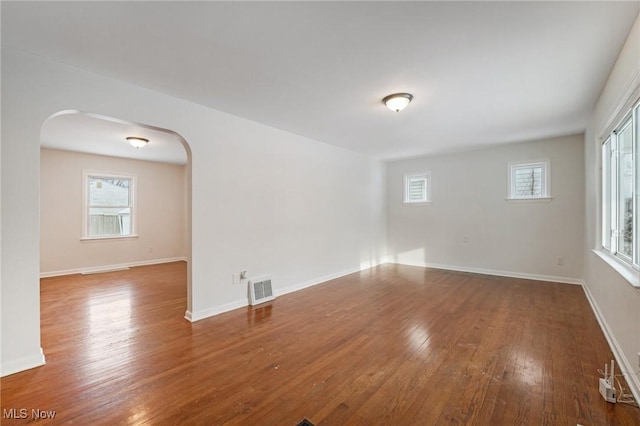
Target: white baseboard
x,y
102,270
316,281
111,268
632,380
499,273
216,310
25,363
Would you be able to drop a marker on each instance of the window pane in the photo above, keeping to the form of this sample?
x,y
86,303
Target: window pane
x,y
416,190
606,194
528,182
109,192
636,213
109,221
636,216
625,190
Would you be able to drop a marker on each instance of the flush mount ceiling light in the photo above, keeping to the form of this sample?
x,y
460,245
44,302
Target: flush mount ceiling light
x,y
398,101
137,142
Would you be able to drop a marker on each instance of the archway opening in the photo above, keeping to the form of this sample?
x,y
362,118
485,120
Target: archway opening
x,y
81,151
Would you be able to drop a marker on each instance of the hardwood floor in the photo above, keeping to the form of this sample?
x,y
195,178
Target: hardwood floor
x,y
395,345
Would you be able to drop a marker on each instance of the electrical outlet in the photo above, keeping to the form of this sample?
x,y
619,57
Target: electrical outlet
x,y
559,260
465,239
150,249
639,360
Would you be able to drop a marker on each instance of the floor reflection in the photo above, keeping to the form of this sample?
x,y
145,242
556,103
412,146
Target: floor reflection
x,y
256,315
417,339
110,329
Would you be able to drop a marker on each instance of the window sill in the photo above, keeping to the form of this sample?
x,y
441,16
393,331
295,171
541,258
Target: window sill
x,y
109,238
422,203
529,200
629,273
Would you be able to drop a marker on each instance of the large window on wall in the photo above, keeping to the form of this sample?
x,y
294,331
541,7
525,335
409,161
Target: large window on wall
x,y
620,189
108,205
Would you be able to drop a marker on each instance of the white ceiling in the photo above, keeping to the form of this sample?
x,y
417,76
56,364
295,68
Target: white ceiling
x,y
89,133
480,72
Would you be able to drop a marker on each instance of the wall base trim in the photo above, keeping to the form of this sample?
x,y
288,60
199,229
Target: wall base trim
x,y
220,309
316,281
499,273
633,381
216,310
22,364
111,268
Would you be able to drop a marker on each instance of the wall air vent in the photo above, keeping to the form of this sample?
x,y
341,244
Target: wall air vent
x,y
260,291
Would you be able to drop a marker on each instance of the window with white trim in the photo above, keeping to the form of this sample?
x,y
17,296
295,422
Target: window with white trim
x,y
108,205
620,186
417,188
529,180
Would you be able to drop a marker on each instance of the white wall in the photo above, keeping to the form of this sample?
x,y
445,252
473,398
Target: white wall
x,y
615,300
469,191
263,200
160,200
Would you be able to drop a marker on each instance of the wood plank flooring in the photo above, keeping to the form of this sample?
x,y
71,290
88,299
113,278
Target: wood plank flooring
x,y
394,345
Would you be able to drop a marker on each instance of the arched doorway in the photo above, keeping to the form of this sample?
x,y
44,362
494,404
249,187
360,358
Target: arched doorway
x,y
103,140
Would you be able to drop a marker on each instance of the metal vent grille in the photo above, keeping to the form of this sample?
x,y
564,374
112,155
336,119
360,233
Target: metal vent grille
x,y
260,291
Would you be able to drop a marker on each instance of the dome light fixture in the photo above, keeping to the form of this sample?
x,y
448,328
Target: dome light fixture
x,y
397,101
137,142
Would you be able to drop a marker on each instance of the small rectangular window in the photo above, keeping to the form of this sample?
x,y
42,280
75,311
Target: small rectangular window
x,y
416,188
109,205
529,180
